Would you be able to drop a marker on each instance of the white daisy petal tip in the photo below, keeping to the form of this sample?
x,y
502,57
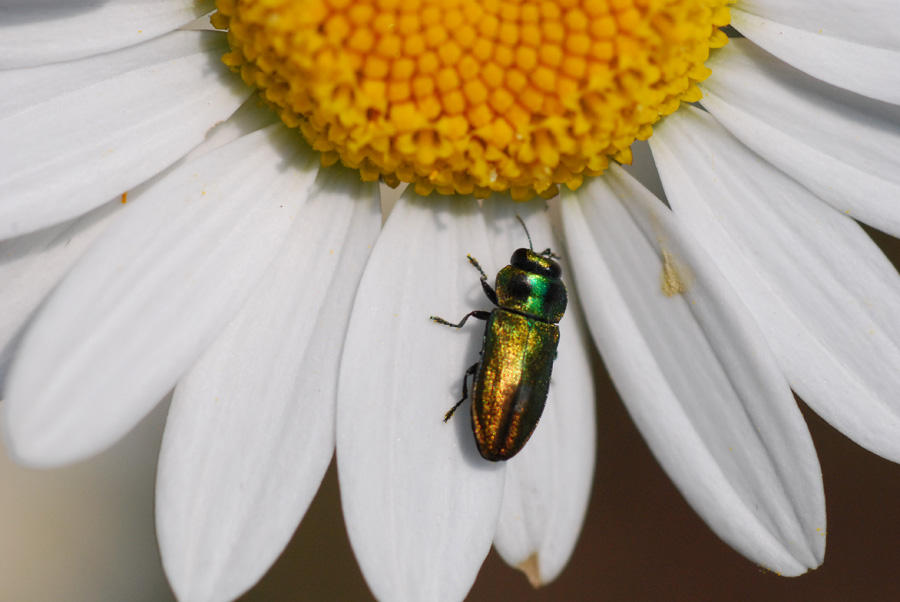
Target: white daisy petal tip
x,y
24,450
30,439
725,428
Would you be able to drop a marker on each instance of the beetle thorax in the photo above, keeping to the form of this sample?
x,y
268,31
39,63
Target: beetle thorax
x,y
532,294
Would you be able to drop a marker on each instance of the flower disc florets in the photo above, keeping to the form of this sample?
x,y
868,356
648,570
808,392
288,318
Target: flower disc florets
x,y
473,96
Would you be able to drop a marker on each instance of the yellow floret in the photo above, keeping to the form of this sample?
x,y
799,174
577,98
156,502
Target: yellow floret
x,y
474,96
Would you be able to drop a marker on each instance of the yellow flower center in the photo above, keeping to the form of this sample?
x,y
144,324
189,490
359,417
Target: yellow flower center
x,y
473,96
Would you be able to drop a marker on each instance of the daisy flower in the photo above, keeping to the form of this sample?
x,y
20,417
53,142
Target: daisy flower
x,y
164,228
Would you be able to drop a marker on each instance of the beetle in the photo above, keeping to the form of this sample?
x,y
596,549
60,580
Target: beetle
x,y
511,380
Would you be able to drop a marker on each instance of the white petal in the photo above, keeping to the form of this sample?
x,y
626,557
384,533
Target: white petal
x,y
548,484
35,32
420,504
31,265
251,427
251,116
871,22
836,46
696,375
824,294
109,126
150,296
841,146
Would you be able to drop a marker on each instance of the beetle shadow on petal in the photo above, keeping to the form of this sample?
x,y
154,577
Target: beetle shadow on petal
x,y
467,447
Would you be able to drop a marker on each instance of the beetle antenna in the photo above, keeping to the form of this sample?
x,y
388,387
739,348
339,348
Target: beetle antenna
x,y
521,221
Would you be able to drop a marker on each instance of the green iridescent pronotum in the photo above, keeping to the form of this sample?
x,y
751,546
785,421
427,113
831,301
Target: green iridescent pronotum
x,y
511,380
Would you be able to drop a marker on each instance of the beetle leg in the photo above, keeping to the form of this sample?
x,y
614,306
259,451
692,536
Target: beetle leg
x,y
474,262
548,253
491,293
479,314
488,291
465,392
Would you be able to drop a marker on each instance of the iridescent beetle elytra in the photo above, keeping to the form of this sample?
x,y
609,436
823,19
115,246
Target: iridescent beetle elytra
x,y
511,381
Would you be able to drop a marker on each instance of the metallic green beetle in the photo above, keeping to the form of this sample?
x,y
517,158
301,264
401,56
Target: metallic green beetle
x,y
511,381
